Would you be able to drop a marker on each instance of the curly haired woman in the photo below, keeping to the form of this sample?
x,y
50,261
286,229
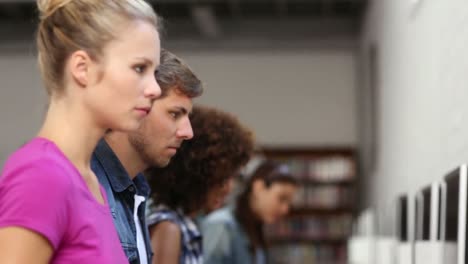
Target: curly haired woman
x,y
196,180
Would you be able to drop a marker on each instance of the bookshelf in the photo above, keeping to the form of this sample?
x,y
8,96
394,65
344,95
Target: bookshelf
x,y
320,222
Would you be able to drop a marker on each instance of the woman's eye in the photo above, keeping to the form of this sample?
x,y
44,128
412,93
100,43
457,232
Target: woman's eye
x,y
140,68
173,114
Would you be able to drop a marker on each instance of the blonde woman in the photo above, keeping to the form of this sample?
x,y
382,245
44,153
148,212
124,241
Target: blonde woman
x,y
97,60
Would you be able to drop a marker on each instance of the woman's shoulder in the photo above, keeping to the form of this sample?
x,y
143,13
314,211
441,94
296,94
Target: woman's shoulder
x,y
160,213
37,191
36,152
39,160
224,215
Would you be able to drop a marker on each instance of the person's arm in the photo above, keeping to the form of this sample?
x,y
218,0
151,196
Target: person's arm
x,y
22,246
166,241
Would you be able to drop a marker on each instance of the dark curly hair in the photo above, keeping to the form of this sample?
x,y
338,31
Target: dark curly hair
x,y
220,147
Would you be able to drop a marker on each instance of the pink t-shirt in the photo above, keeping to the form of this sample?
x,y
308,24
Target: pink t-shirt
x,y
42,191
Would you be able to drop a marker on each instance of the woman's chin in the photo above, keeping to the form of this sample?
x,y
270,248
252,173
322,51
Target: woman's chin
x,y
130,126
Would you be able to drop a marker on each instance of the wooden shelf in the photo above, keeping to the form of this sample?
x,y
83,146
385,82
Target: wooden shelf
x,y
292,239
307,151
307,211
347,182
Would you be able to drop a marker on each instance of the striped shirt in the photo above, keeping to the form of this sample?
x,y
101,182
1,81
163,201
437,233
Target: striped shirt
x,y
191,242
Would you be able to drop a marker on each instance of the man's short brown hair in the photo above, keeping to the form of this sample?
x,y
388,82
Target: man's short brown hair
x,y
174,73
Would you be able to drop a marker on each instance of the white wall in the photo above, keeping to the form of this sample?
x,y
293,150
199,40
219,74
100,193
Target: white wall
x,y
288,97
423,76
22,100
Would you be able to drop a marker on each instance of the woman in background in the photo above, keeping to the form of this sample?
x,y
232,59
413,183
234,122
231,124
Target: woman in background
x,y
234,235
196,180
97,60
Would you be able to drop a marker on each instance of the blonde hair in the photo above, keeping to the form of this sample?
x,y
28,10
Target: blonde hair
x,y
66,26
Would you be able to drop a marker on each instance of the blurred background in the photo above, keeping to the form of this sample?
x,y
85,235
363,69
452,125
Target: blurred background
x,y
365,99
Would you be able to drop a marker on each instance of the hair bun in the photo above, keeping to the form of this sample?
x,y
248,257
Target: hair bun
x,y
48,7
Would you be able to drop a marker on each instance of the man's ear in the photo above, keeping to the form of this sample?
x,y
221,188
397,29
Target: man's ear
x,y
79,64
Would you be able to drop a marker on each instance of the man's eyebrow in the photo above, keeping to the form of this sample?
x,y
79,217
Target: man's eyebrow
x,y
183,110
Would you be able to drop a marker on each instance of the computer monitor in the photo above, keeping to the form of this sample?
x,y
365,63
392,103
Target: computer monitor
x,y
428,249
361,246
402,218
405,229
428,213
454,209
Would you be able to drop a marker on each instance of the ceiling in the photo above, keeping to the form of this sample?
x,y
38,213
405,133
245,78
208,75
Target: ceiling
x,y
228,21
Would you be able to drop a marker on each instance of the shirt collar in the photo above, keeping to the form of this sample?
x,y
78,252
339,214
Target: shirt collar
x,y
116,173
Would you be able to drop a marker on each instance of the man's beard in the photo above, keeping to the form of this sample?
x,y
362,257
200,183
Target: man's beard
x,y
137,141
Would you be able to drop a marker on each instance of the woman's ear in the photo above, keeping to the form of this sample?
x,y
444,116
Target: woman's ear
x,y
79,65
258,186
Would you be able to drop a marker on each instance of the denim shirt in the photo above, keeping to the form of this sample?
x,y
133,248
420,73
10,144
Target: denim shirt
x,y
120,191
225,242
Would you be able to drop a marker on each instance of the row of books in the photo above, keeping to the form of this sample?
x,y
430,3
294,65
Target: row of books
x,y
333,168
321,221
324,197
312,228
310,254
